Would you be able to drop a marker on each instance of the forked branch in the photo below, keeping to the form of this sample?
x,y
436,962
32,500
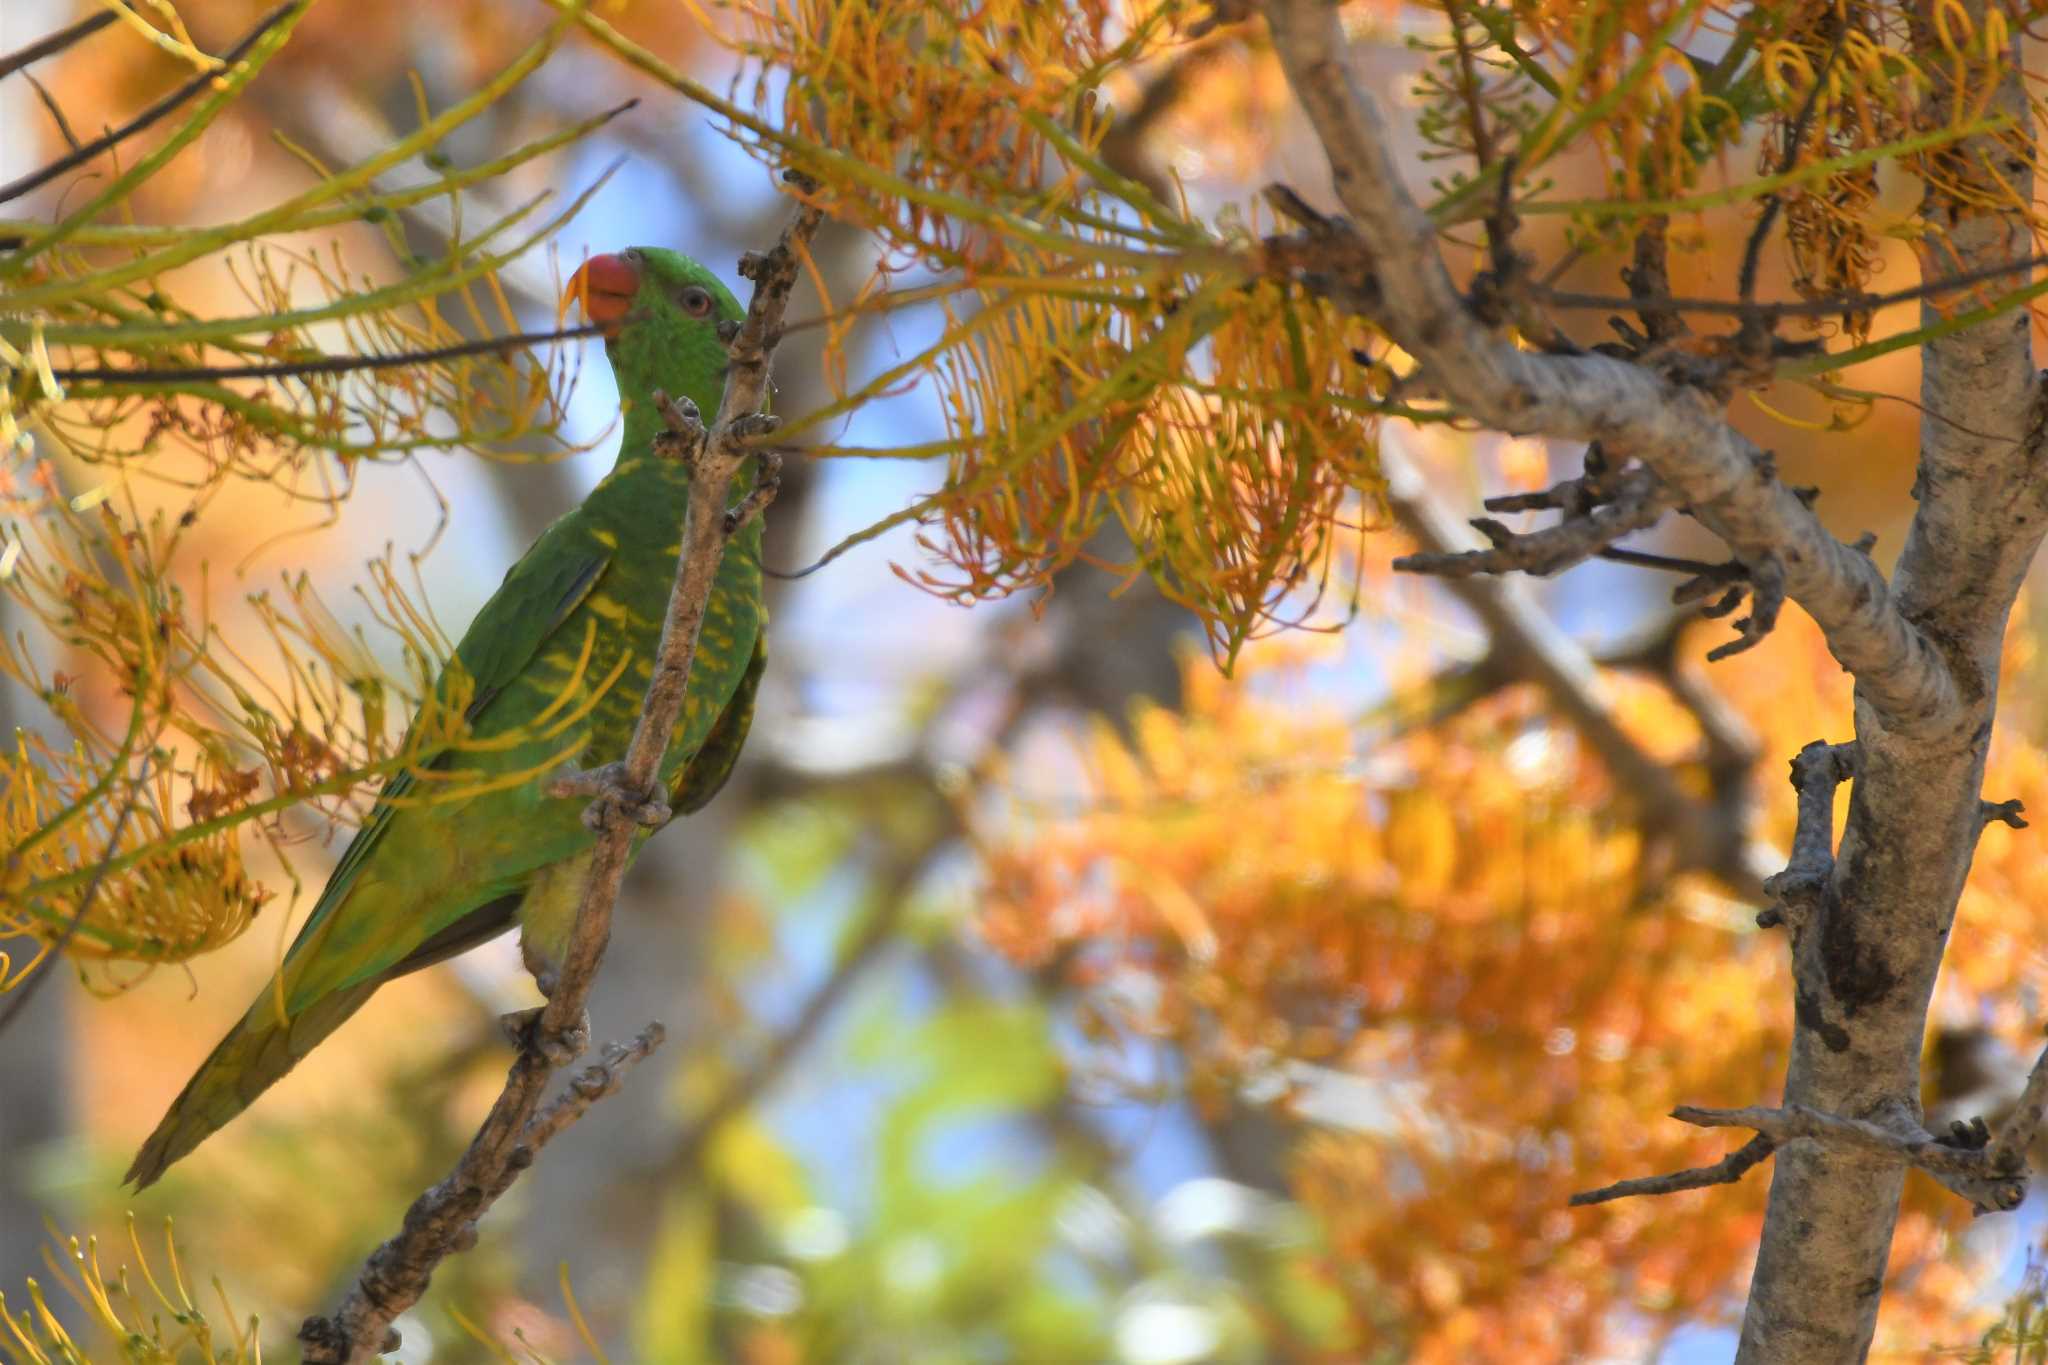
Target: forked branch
x,y
1673,428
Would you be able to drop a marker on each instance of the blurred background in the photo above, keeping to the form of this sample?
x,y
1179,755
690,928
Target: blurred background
x,y
1035,991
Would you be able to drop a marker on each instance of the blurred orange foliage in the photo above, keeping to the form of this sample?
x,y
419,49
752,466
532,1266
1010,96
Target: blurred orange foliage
x,y
1455,960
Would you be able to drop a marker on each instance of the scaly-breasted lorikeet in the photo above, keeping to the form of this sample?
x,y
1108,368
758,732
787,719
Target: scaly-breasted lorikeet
x,y
427,878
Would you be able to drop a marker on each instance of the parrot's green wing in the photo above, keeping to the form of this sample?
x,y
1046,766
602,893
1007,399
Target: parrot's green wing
x,y
539,593
425,879
322,985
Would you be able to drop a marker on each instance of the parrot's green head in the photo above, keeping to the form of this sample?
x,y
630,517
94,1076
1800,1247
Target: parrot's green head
x,y
661,312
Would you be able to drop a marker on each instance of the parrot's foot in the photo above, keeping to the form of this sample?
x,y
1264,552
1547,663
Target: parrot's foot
x,y
767,483
686,434
608,790
523,1027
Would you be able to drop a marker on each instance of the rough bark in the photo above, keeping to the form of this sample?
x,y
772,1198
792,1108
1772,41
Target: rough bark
x,y
1866,964
1924,650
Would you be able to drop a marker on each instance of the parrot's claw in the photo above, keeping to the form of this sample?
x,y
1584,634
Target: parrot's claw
x,y
686,434
767,483
608,790
556,1049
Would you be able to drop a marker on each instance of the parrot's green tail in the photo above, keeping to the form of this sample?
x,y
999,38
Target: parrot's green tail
x,y
248,1062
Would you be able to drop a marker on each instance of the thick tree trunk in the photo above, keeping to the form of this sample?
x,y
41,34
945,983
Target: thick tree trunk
x,y
1866,962
1924,647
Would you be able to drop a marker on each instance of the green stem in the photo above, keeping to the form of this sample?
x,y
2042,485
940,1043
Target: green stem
x,y
1766,184
1822,364
285,216
225,93
1538,145
451,273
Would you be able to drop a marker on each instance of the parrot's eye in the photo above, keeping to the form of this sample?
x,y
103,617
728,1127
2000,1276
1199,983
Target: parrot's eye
x,y
696,302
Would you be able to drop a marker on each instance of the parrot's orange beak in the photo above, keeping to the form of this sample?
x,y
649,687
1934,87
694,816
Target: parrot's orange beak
x,y
605,287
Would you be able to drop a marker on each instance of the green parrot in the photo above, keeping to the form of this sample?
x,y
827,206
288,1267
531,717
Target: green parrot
x,y
425,879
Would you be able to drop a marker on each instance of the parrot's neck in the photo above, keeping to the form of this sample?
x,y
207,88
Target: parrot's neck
x,y
689,372
644,496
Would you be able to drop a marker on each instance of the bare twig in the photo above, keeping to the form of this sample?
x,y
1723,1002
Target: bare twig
x,y
1726,572
1637,501
1993,1179
1766,577
1648,277
55,43
1664,304
1752,250
339,364
154,114
600,1079
1527,643
2010,812
1991,1174
1726,1171
1718,473
442,1220
2008,1150
53,109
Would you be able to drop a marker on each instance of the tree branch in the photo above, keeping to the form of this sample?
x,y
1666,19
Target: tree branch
x,y
1529,644
1639,500
1924,649
1661,304
334,364
1993,1179
1722,477
55,43
1726,1171
153,114
442,1221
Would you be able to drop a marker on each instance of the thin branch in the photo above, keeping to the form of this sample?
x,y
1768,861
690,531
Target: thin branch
x,y
1993,1176
2017,1133
442,1221
597,1081
155,113
1475,112
340,364
1525,642
1648,277
1600,507
1792,308
53,109
1720,475
1726,1171
1752,250
1993,1183
1638,501
1726,572
55,43
2011,813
